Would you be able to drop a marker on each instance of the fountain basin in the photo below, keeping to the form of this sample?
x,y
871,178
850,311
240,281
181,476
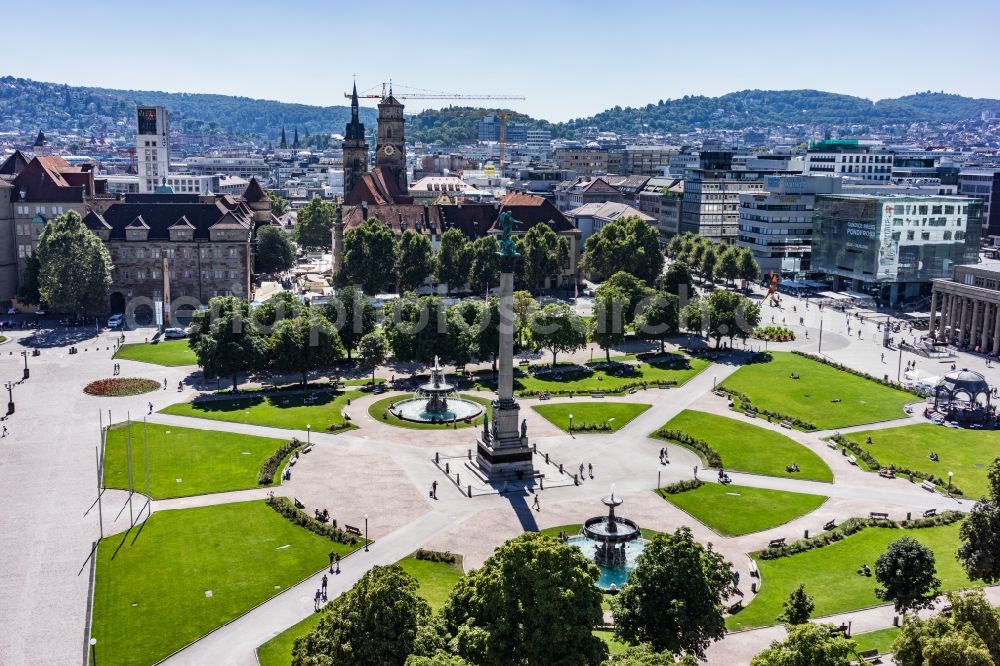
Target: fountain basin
x,y
416,409
617,575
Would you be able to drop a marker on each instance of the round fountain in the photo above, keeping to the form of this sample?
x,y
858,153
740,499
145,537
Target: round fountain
x,y
612,542
435,402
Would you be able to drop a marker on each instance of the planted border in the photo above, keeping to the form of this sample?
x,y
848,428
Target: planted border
x,y
840,366
746,405
284,506
680,487
710,456
270,466
114,387
874,465
853,526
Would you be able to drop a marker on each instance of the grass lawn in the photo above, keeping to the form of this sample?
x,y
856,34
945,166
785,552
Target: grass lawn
x,y
281,410
614,647
810,398
165,352
734,510
185,461
831,577
749,448
967,453
590,412
880,640
436,580
183,573
380,408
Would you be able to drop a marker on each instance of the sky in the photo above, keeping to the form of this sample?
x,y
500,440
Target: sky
x,y
567,59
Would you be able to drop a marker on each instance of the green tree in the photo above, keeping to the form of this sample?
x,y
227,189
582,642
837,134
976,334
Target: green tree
x,y
439,659
808,645
747,266
475,326
314,224
723,314
728,264
352,314
979,551
373,351
453,260
607,328
625,244
970,629
543,255
956,649
414,261
558,329
369,255
307,342
27,293
375,623
905,574
643,655
674,596
798,607
534,601
283,305
274,251
628,287
74,267
418,330
525,305
225,341
677,281
279,206
484,264
658,320
709,259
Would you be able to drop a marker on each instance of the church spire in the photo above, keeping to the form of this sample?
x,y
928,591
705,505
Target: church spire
x,y
354,103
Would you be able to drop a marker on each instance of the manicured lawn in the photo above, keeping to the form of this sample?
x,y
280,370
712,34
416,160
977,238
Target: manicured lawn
x,y
734,510
281,410
590,412
831,578
186,572
749,448
165,352
880,640
185,461
967,453
436,580
614,647
822,395
379,410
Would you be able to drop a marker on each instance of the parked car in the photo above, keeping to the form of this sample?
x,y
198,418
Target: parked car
x,y
174,333
116,320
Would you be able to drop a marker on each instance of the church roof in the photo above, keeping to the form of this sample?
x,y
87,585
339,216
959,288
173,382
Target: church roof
x,y
377,187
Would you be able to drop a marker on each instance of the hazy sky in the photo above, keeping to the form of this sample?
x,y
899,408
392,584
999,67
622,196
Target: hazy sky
x,y
568,59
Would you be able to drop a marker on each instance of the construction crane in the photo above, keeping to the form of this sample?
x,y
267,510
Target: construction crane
x,y
435,94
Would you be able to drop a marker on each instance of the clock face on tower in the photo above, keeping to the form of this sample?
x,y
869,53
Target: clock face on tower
x,y
389,151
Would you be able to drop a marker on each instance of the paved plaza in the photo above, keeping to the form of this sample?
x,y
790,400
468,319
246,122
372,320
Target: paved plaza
x,y
385,472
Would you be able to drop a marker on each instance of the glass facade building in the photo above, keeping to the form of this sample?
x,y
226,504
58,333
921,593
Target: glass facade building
x,y
893,246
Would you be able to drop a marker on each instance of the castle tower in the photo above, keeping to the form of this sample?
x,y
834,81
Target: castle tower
x,y
390,144
355,148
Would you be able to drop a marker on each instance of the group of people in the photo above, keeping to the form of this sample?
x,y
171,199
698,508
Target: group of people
x,y
590,470
320,597
664,458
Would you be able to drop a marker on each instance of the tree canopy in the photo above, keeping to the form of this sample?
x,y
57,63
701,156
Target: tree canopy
x,y
798,607
979,551
906,575
279,205
369,256
307,342
558,329
453,260
967,636
314,224
274,251
659,318
625,244
808,645
484,264
225,341
74,267
373,350
414,261
543,255
352,314
721,314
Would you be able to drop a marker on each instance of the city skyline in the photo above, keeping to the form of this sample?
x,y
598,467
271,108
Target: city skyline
x,y
770,46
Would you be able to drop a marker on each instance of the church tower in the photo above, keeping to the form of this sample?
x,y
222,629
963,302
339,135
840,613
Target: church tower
x,y
355,148
390,145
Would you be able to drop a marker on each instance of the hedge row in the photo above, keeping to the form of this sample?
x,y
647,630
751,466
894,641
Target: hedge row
x,y
681,486
435,556
284,506
618,390
270,466
840,366
590,427
852,526
746,405
874,464
711,456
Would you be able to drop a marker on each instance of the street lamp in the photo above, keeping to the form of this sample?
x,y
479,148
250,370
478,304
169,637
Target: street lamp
x,y
308,435
609,422
571,423
950,474
27,373
10,397
366,532
93,652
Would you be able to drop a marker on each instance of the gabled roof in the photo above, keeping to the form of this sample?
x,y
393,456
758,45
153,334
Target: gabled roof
x,y
52,179
609,210
182,223
137,223
95,222
377,187
254,192
14,164
162,215
229,221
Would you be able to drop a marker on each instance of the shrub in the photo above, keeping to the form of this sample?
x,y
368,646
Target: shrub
x,y
681,486
270,466
773,333
284,506
853,526
119,386
710,455
435,556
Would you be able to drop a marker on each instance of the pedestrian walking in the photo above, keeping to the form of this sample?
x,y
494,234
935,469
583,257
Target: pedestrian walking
x,y
581,471
338,563
590,470
164,383
535,504
316,599
434,489
324,586
4,432
331,561
883,357
150,408
696,471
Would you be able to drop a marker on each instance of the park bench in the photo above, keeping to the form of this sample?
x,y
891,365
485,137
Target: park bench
x,y
852,459
887,473
631,391
829,526
870,656
298,503
776,543
544,395
752,414
524,361
927,485
786,424
930,512
878,515
832,445
754,571
736,608
663,385
307,449
597,394
351,529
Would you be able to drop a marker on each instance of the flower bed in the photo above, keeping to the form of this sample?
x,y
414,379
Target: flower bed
x,y
710,455
773,333
681,487
119,386
270,466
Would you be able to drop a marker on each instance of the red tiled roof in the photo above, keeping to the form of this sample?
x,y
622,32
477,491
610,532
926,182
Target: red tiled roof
x,y
377,187
52,179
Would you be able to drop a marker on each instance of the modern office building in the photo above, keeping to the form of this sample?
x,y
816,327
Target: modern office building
x,y
660,198
244,167
152,146
849,157
646,160
983,183
777,224
891,247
